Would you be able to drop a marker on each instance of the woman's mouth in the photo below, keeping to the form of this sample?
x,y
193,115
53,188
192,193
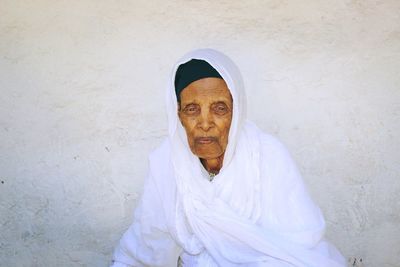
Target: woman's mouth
x,y
205,140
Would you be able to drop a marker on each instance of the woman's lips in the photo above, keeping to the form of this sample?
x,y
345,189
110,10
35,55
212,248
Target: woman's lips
x,y
205,140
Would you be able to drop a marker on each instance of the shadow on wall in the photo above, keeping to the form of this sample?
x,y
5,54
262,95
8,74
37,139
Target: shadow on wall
x,y
356,262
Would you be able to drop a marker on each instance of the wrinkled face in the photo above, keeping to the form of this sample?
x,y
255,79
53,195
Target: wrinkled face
x,y
205,111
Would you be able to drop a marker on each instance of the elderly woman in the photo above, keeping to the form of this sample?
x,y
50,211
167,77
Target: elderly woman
x,y
219,191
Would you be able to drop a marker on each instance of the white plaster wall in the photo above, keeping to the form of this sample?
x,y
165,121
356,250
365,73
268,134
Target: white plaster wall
x,y
81,105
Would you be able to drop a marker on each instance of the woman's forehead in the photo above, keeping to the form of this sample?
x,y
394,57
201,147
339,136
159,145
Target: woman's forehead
x,y
206,89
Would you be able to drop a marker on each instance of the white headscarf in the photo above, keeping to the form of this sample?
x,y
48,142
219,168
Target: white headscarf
x,y
221,217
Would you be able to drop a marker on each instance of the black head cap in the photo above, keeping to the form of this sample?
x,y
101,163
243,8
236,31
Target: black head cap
x,y
191,71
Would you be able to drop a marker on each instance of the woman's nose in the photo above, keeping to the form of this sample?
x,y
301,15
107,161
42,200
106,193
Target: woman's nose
x,y
205,121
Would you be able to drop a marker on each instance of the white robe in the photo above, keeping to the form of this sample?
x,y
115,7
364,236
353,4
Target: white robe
x,y
256,211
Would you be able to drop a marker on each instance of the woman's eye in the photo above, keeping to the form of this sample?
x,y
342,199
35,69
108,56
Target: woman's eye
x,y
192,109
221,109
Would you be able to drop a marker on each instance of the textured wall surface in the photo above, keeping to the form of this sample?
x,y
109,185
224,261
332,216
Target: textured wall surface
x,y
82,104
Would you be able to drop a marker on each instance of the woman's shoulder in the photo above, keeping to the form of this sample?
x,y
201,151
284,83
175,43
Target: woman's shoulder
x,y
162,151
268,142
160,166
271,141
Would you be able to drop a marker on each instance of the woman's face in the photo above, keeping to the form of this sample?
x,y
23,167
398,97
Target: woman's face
x,y
205,111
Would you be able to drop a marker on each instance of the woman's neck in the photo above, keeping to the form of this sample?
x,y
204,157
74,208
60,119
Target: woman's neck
x,y
213,165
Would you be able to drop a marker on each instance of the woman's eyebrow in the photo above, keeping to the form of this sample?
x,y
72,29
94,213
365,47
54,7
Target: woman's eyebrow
x,y
220,102
226,102
188,104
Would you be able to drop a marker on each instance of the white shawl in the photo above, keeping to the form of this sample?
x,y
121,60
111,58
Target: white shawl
x,y
256,211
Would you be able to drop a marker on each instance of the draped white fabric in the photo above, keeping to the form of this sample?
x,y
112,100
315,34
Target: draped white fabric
x,y
256,211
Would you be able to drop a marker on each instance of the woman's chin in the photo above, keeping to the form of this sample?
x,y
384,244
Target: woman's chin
x,y
208,154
